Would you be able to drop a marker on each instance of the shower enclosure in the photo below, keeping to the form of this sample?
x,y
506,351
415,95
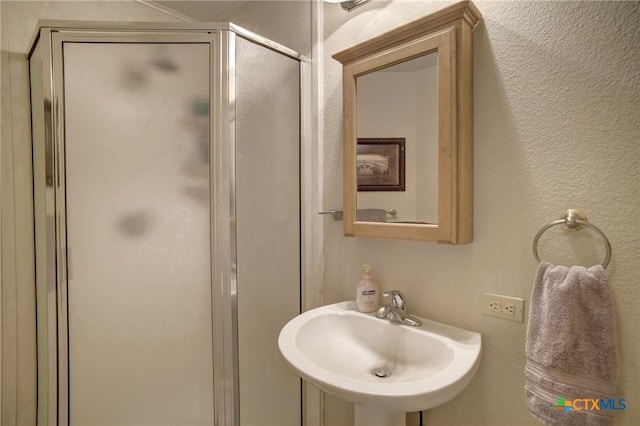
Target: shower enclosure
x,y
166,165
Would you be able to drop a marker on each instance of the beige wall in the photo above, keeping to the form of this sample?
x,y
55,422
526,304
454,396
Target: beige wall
x,y
19,20
557,89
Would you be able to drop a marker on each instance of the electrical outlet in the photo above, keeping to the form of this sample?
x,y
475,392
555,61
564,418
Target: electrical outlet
x,y
506,307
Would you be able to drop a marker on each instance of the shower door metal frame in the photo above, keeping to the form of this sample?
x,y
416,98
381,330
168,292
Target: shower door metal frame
x,y
226,357
229,37
221,38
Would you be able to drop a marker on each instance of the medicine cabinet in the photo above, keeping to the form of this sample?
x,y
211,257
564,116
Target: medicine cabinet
x,y
408,130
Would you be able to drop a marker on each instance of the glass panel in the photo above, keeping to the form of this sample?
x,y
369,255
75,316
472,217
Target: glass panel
x,y
268,230
138,221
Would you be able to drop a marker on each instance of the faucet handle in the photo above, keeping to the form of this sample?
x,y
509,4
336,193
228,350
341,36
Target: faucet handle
x,y
397,299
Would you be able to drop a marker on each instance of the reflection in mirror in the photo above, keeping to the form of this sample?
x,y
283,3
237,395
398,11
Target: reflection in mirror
x,y
399,103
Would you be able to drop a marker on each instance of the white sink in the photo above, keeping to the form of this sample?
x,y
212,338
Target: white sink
x,y
340,350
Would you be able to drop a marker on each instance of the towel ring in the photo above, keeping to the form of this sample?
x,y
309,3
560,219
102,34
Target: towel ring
x,y
574,220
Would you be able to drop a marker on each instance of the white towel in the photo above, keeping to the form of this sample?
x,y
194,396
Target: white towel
x,y
371,215
571,345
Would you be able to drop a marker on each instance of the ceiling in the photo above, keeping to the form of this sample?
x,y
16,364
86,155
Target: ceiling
x,y
204,11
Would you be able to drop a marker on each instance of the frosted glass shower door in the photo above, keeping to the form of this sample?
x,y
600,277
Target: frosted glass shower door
x,y
268,230
138,233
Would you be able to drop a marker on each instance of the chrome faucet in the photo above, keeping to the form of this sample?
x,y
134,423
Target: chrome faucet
x,y
396,311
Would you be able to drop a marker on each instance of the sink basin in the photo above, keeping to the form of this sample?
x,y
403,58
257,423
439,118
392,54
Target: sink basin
x,y
384,369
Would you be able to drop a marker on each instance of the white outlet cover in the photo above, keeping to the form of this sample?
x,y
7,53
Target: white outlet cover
x,y
490,299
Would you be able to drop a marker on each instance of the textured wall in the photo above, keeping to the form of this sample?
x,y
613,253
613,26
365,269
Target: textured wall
x,y
557,90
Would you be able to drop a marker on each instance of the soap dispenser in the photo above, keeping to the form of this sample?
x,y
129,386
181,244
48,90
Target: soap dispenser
x,y
367,295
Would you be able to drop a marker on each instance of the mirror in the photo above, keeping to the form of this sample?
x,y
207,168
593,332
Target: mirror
x,y
408,131
397,125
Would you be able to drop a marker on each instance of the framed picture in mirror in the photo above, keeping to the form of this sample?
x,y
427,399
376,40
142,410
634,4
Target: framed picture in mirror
x,y
380,164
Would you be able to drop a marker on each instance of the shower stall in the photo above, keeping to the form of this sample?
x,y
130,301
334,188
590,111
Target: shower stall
x,y
166,169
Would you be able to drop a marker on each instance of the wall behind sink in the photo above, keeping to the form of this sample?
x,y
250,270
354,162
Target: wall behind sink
x,y
557,89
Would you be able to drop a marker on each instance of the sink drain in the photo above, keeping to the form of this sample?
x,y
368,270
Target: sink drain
x,y
381,372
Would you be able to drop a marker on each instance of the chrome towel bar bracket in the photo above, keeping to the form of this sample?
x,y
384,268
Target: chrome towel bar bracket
x,y
574,220
335,214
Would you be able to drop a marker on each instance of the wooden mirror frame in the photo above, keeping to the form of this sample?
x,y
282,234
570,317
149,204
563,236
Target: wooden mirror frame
x,y
449,33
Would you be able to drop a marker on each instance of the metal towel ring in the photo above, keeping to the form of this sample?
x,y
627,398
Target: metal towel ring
x,y
573,220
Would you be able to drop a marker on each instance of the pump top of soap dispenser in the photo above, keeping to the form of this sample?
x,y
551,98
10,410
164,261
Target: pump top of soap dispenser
x,y
367,272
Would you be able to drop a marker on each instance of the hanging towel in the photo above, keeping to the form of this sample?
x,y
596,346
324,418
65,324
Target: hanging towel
x,y
371,215
571,346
